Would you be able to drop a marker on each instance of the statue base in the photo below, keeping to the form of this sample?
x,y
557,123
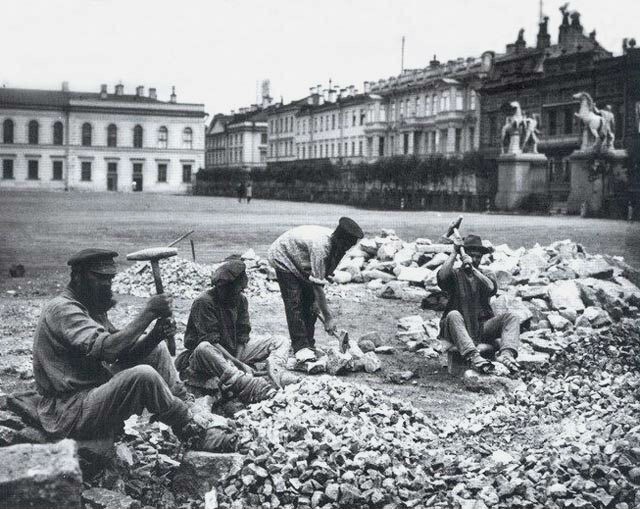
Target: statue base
x,y
593,192
520,175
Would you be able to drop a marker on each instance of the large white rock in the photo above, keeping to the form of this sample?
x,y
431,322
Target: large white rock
x,y
387,251
565,294
369,275
509,303
436,261
558,322
369,246
412,322
405,255
413,274
342,277
534,260
595,267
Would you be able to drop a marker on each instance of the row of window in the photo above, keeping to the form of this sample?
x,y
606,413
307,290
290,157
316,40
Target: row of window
x,y
33,170
33,135
231,139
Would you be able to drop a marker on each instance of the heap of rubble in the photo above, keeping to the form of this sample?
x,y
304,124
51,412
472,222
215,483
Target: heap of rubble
x,y
186,279
327,443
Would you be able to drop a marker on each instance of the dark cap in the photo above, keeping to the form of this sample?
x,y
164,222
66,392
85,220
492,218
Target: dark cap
x,y
228,272
474,243
99,261
347,227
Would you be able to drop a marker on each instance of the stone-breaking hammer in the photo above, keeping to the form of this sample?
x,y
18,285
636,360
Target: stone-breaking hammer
x,y
453,229
153,255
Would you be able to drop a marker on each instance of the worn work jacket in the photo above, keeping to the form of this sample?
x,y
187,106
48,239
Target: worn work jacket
x,y
68,359
210,321
468,296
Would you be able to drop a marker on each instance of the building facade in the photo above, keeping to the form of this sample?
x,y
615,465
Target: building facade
x,y
99,141
544,78
435,110
238,140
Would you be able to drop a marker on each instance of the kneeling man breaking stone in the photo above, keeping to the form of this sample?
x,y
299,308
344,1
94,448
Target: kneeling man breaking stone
x,y
218,342
468,319
93,377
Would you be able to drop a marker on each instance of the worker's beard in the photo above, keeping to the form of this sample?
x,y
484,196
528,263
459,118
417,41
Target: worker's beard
x,y
98,299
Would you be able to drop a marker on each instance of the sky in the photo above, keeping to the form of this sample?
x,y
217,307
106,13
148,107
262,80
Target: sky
x,y
217,51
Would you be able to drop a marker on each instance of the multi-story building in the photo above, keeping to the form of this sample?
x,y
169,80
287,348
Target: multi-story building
x,y
238,140
331,125
428,111
544,79
281,131
59,139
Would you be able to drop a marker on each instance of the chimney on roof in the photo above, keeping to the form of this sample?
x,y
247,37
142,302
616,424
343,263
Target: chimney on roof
x,y
544,39
119,89
434,62
343,93
140,91
65,86
173,96
332,95
103,91
153,94
352,90
367,87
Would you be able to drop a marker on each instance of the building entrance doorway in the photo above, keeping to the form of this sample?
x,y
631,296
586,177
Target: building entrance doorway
x,y
137,177
112,176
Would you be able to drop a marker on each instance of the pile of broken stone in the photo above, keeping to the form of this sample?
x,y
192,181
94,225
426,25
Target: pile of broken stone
x,y
563,436
186,279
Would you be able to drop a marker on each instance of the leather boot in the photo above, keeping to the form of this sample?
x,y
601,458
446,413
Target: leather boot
x,y
193,434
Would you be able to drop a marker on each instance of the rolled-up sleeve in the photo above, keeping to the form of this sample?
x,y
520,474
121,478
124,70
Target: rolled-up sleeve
x,y
203,325
79,330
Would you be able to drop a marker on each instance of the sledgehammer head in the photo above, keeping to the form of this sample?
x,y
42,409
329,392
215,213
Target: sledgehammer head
x,y
153,253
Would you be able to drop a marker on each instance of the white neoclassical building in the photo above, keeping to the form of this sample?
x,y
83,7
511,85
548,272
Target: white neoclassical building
x,y
59,139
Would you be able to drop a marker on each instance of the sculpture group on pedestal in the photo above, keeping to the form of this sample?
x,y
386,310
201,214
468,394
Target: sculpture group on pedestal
x,y
598,126
517,127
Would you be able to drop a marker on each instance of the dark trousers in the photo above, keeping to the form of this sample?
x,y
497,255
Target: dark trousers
x,y
299,300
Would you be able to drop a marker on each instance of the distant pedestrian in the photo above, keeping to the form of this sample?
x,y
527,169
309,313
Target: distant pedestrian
x,y
240,190
629,211
249,191
134,186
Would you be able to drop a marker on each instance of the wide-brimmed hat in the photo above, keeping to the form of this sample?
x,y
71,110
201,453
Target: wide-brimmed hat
x,y
474,243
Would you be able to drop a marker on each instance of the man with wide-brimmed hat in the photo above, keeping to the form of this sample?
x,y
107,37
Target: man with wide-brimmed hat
x,y
92,377
218,342
303,257
468,319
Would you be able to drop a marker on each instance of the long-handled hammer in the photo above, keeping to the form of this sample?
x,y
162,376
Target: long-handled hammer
x,y
154,255
453,230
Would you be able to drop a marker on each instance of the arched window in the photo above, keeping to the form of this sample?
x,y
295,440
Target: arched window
x,y
34,131
58,134
7,131
163,137
86,135
112,136
187,138
137,136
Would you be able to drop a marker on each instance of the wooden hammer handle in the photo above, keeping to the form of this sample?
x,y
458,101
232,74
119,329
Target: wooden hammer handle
x,y
155,267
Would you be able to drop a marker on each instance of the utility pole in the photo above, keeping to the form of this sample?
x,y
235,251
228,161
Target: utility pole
x,y
402,57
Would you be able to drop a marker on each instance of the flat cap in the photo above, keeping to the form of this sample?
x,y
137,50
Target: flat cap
x,y
229,271
99,261
348,227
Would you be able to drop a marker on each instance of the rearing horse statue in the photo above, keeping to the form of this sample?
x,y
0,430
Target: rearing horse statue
x,y
511,129
597,124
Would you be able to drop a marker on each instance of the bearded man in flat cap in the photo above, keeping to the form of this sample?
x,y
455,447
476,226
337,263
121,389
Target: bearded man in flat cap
x,y
303,257
218,342
92,377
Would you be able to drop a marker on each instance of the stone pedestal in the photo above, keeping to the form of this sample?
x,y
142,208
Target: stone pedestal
x,y
520,175
593,193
